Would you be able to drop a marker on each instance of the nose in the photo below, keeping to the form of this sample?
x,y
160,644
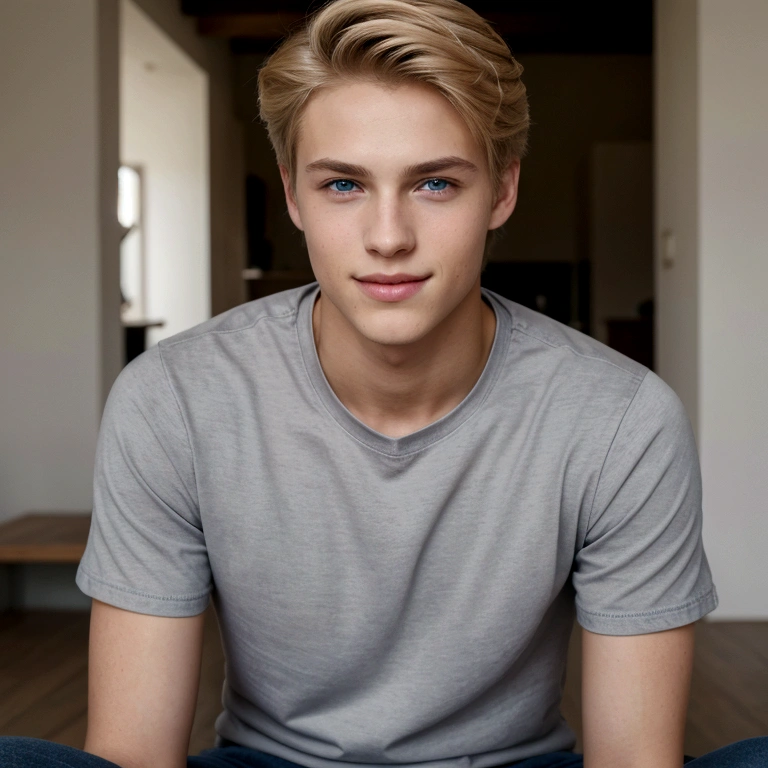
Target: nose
x,y
389,231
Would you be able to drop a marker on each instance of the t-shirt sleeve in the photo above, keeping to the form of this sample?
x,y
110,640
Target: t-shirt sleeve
x,y
146,549
642,567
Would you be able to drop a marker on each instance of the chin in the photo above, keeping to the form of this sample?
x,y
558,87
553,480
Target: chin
x,y
391,331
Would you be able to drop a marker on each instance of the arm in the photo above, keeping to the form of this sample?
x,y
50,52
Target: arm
x,y
143,676
634,698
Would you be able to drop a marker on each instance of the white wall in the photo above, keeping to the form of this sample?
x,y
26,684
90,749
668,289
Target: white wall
x,y
733,198
677,199
54,249
164,130
715,199
225,154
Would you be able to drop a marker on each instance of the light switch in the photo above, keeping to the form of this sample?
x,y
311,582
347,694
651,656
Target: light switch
x,y
667,249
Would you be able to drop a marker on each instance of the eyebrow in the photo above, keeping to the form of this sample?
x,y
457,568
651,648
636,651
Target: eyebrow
x,y
419,169
440,165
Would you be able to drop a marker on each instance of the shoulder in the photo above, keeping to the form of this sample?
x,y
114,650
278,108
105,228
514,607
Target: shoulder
x,y
564,371
243,318
588,383
258,333
204,357
540,333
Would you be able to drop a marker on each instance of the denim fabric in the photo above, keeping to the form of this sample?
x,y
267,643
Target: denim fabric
x,y
20,752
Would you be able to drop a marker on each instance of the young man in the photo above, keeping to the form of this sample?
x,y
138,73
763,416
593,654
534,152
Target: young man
x,y
398,489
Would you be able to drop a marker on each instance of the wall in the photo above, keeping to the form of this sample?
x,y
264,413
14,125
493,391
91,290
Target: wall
x,y
164,130
712,190
108,83
59,348
677,200
733,226
226,152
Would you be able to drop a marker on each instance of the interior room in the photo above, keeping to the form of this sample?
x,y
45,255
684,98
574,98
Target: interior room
x,y
140,197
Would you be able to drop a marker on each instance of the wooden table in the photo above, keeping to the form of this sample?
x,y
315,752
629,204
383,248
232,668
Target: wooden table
x,y
39,537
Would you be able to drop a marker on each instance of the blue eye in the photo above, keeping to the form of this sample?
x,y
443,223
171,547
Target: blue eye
x,y
437,185
342,185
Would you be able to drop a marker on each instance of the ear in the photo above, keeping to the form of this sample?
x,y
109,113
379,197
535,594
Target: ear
x,y
506,198
290,197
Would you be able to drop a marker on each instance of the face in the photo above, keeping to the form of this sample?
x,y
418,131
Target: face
x,y
395,199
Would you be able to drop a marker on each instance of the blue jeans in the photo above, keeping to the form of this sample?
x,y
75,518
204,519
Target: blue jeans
x,y
20,752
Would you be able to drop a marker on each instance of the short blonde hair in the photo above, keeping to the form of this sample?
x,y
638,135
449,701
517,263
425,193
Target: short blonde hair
x,y
441,43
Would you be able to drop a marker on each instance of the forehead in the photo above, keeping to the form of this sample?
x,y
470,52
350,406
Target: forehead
x,y
376,125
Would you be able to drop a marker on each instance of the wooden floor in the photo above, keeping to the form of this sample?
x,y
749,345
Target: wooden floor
x,y
43,682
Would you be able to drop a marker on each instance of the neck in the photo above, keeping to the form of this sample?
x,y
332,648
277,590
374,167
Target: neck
x,y
399,389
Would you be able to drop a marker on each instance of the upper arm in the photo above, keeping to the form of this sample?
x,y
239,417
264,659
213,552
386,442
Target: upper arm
x,y
146,549
634,698
143,676
641,567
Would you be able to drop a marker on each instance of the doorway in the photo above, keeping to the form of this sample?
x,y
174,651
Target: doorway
x,y
165,253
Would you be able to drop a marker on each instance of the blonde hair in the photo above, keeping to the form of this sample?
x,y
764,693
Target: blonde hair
x,y
441,43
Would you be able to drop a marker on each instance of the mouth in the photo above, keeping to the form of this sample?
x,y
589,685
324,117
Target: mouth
x,y
390,288
392,279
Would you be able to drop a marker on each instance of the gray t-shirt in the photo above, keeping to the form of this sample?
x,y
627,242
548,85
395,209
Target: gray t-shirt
x,y
396,601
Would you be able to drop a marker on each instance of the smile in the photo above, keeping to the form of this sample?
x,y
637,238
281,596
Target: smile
x,y
391,287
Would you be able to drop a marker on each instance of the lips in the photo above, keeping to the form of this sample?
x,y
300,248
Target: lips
x,y
400,277
389,288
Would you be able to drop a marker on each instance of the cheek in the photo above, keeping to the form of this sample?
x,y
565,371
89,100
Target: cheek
x,y
326,237
465,222
461,245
